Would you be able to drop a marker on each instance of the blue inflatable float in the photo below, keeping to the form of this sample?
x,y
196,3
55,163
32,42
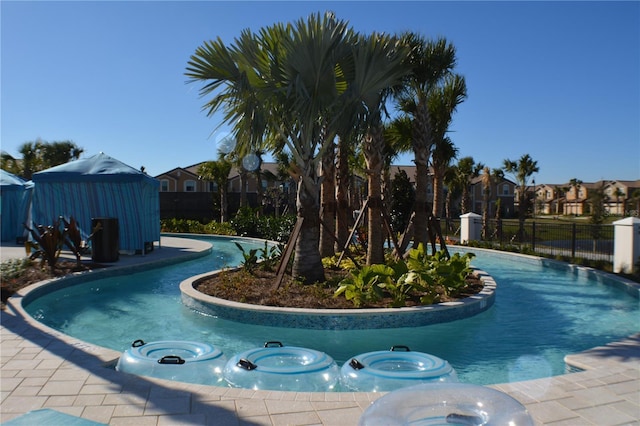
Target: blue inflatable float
x,y
383,371
279,367
185,361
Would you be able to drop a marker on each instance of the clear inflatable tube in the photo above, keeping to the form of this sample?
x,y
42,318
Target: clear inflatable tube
x,y
185,361
446,404
382,371
278,367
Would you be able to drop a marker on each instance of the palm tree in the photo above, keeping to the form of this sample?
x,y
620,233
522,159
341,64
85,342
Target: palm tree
x,y
489,179
443,153
40,155
286,173
454,189
287,81
466,170
256,170
328,202
56,153
342,180
559,191
619,193
430,62
218,172
378,65
443,101
522,170
575,184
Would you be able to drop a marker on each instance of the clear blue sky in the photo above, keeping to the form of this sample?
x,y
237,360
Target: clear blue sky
x,y
557,80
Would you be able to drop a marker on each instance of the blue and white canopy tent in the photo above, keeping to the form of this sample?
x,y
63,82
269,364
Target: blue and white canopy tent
x,y
99,187
15,197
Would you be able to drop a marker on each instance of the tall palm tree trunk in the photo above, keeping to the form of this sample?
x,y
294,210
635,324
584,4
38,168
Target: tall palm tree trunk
x,y
259,191
342,194
485,215
421,134
465,201
243,188
373,151
307,262
328,200
420,233
224,209
438,192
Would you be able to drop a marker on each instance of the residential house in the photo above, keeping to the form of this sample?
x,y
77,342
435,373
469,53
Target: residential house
x,y
567,199
185,195
576,198
619,195
411,173
503,191
549,199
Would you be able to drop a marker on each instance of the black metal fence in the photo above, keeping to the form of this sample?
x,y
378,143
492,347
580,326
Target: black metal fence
x,y
568,240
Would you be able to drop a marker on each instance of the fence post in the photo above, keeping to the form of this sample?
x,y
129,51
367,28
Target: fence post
x,y
533,235
573,240
470,227
626,244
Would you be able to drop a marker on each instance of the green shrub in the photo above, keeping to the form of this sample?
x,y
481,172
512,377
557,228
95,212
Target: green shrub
x,y
219,228
250,258
14,268
188,226
421,276
247,223
366,284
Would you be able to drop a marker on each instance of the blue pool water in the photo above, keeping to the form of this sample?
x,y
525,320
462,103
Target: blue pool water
x,y
540,315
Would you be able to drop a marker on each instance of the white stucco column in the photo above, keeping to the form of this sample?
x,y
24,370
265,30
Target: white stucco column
x,y
626,244
470,227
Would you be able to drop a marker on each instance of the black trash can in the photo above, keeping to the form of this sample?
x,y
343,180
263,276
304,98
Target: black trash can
x,y
106,242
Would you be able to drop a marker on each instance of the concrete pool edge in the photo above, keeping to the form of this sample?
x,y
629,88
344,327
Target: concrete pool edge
x,y
338,319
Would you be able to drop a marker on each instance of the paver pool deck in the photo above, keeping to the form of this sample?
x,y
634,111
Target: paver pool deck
x,y
43,368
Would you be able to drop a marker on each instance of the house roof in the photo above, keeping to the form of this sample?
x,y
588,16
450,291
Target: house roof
x,y
627,183
233,174
478,179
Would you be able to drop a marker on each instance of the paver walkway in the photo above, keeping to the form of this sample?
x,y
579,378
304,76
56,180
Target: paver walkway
x,y
42,368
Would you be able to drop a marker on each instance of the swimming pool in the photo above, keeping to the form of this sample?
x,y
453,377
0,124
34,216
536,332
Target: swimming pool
x,y
541,314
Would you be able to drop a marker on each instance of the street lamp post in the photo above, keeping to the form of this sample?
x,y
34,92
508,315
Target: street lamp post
x,y
535,196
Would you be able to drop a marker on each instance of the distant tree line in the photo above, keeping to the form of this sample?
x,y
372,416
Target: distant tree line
x,y
39,155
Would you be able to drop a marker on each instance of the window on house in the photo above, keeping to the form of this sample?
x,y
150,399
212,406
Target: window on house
x,y
190,186
505,189
164,185
213,187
